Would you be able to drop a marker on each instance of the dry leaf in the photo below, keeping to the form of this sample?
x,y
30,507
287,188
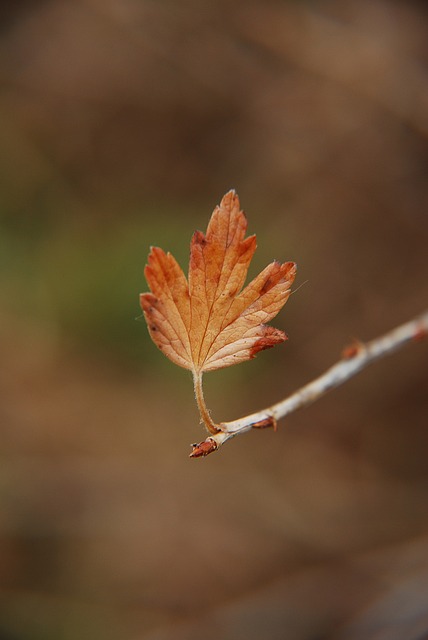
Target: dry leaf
x,y
208,322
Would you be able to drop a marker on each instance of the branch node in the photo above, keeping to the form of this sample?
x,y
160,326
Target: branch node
x,y
269,421
353,349
421,333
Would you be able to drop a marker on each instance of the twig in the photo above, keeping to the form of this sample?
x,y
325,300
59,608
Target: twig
x,y
354,358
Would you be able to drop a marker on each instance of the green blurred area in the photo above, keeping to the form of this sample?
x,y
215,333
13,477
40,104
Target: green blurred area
x,y
83,281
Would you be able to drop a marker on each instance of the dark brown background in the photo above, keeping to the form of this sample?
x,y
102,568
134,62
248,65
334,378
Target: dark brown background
x,y
122,123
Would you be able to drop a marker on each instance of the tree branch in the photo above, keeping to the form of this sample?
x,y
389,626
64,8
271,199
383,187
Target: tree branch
x,y
354,358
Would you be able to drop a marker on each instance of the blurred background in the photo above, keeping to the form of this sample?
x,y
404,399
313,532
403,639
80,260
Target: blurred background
x,y
122,123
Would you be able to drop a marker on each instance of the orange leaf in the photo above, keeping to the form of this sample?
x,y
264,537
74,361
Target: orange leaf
x,y
209,321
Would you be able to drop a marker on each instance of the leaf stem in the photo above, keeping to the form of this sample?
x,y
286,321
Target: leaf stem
x,y
200,401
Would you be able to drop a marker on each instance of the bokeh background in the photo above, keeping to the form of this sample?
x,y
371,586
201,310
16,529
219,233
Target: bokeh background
x,y
122,123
